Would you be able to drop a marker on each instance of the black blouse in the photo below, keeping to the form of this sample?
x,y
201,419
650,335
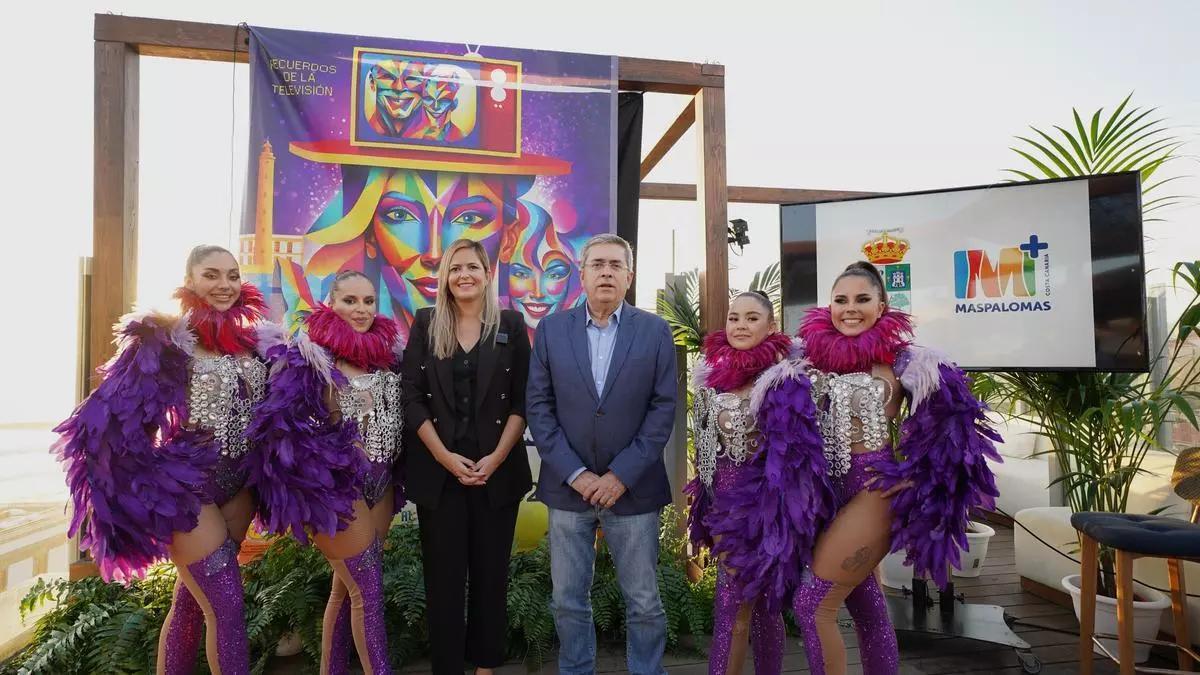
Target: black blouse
x,y
497,393
464,369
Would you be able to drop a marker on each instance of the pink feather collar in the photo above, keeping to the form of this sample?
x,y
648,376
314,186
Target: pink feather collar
x,y
832,352
731,368
225,332
371,350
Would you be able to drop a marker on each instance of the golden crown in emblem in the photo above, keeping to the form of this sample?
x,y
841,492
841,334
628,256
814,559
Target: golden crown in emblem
x,y
885,250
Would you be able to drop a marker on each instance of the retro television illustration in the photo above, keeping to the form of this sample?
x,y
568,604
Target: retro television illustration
x,y
429,101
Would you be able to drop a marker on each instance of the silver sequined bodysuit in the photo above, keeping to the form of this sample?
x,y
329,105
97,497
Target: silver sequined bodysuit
x,y
373,402
726,431
851,409
222,392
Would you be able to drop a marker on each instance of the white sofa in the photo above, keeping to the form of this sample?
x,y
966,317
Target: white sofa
x,y
1024,475
1151,490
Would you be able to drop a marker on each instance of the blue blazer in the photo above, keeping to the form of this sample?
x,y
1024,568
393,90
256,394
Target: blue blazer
x,y
624,429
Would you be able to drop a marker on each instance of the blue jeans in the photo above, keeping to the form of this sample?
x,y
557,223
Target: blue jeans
x,y
633,541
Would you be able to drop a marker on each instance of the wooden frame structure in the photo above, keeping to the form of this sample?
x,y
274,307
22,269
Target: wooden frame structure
x,y
121,41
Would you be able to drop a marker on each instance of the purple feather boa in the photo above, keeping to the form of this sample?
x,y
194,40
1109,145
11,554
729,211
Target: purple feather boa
x,y
767,526
699,511
946,442
308,471
132,469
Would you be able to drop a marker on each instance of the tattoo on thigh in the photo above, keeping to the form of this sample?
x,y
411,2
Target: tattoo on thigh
x,y
860,558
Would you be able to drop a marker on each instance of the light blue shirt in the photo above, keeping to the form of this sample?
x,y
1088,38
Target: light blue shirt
x,y
600,347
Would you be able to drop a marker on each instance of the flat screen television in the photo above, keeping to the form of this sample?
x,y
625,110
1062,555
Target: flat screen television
x,y
1042,275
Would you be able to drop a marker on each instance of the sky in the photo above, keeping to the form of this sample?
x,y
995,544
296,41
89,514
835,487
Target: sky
x,y
853,95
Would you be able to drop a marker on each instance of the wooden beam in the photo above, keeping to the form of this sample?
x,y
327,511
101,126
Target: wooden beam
x,y
741,194
712,193
668,77
674,132
175,39
115,194
223,42
242,56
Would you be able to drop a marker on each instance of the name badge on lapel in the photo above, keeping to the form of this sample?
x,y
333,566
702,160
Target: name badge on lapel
x,y
501,338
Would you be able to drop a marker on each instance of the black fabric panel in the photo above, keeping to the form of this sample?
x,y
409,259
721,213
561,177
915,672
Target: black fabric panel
x,y
629,162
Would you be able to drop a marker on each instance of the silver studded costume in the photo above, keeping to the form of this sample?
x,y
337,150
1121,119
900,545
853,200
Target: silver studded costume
x,y
727,442
724,430
223,391
851,409
373,402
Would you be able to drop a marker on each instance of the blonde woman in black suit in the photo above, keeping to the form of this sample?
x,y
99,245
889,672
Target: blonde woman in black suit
x,y
464,396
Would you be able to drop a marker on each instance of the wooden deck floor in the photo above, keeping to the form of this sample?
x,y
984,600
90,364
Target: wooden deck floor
x,y
1049,628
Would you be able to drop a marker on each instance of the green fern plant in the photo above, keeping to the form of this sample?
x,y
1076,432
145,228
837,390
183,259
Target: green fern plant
x,y
286,591
531,632
688,605
404,590
94,627
98,627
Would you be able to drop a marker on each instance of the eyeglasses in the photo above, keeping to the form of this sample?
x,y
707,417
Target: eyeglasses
x,y
601,265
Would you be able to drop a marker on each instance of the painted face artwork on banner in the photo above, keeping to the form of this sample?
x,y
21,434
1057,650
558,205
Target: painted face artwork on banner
x,y
375,154
540,274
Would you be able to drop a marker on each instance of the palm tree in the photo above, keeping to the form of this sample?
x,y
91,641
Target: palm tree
x,y
679,303
1101,425
1129,139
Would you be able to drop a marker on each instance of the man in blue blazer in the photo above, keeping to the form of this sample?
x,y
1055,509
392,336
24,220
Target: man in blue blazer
x,y
600,404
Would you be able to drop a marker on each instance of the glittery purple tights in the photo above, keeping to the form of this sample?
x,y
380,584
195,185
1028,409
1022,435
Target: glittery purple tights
x,y
733,623
337,633
181,634
876,635
816,605
363,576
215,585
843,573
183,631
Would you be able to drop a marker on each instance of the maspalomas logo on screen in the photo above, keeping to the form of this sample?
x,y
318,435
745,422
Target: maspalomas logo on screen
x,y
1015,279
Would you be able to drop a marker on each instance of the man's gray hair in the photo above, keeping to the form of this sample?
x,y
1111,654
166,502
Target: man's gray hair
x,y
606,238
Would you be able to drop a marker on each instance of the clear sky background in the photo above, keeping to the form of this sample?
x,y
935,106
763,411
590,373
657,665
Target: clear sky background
x,y
879,96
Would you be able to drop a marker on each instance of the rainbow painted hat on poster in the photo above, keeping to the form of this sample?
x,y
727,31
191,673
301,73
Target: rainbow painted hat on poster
x,y
435,112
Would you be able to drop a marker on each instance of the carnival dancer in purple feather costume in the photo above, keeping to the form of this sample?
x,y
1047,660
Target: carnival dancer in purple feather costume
x,y
754,424
329,433
916,496
156,457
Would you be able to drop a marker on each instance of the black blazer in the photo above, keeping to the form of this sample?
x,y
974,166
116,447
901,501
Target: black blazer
x,y
500,392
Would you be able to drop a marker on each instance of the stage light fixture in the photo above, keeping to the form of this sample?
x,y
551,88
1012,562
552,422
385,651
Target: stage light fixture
x,y
737,233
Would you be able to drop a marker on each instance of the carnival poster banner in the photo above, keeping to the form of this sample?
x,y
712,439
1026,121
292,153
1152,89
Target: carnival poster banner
x,y
374,154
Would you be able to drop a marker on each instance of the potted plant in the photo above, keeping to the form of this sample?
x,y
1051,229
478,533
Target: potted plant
x,y
1148,606
1100,426
978,536
894,572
